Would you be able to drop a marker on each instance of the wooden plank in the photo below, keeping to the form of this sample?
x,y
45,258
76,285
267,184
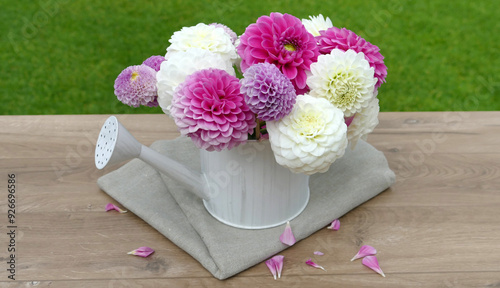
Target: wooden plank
x,y
460,171
427,133
418,121
66,135
402,280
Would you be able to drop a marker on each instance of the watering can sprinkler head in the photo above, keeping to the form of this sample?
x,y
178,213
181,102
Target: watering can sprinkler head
x,y
115,144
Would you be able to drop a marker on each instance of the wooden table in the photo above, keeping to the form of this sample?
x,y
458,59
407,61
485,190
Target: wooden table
x,y
437,226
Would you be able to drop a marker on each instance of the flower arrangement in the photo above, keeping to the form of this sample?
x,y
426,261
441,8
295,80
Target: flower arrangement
x,y
307,87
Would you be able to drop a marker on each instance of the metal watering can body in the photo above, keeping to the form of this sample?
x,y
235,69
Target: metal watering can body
x,y
243,187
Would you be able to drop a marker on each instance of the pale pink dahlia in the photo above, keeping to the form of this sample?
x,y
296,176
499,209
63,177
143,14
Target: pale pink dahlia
x,y
267,92
282,40
209,107
154,62
136,85
345,39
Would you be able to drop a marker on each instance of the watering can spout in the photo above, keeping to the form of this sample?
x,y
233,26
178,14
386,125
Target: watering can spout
x,y
115,144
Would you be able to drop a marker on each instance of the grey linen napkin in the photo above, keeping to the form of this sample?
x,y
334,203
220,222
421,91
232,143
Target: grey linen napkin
x,y
180,216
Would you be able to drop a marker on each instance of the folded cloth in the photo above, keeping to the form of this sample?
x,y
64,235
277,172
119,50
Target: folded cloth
x,y
166,205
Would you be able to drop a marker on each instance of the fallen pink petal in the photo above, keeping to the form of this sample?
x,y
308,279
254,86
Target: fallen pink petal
x,y
287,236
278,262
365,250
111,206
372,263
275,265
311,263
142,251
272,267
335,225
319,253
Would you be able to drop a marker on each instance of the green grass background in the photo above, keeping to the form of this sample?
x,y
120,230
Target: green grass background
x,y
62,57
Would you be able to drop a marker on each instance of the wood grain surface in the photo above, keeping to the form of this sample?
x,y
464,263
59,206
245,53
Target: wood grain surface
x,y
437,226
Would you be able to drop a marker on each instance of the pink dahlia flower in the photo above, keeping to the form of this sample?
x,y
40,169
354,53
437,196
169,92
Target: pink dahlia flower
x,y
209,107
282,40
268,93
136,85
154,62
344,39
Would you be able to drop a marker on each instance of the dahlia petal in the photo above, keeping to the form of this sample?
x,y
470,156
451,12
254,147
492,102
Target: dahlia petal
x,y
111,206
319,253
263,27
275,265
316,24
207,116
365,250
372,263
287,237
348,120
154,62
279,23
278,260
364,122
208,126
268,44
300,80
272,267
311,263
335,225
259,54
289,71
254,41
230,117
142,251
228,31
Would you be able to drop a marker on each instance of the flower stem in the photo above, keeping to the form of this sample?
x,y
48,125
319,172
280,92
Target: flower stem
x,y
257,130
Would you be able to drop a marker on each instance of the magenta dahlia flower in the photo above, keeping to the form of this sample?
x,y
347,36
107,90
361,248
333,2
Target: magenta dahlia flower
x,y
136,85
282,40
209,107
154,62
345,39
267,92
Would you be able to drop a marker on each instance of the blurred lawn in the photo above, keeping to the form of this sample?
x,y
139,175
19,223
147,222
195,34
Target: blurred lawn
x,y
62,57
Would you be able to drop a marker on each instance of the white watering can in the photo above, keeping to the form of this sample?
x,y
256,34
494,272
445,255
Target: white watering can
x,y
243,187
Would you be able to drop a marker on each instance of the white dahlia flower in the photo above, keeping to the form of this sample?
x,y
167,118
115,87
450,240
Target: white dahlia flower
x,y
175,70
343,78
310,138
316,24
203,36
363,123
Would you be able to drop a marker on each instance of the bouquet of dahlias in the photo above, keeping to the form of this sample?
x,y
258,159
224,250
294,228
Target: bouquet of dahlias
x,y
307,87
